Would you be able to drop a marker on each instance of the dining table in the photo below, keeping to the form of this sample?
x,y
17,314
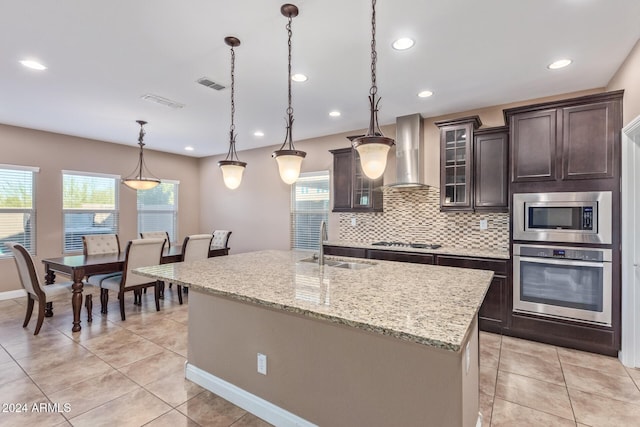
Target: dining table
x,y
77,267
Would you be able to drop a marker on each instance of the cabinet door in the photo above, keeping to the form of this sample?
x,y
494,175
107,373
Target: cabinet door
x,y
400,256
490,172
345,251
588,140
342,176
367,195
492,310
455,174
533,154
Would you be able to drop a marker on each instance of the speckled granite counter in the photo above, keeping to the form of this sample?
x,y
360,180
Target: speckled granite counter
x,y
425,304
446,250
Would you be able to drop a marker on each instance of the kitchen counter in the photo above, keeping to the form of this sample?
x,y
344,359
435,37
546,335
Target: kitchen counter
x,y
429,305
383,344
444,250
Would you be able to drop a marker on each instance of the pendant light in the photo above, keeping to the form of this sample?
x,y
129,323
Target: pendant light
x,y
232,169
374,146
137,180
289,159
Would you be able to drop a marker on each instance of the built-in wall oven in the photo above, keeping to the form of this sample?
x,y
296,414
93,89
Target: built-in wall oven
x,y
563,282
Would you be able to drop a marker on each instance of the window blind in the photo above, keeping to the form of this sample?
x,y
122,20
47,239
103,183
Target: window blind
x,y
158,209
17,207
89,206
309,207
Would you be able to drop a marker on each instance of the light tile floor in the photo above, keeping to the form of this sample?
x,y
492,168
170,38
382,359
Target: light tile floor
x,y
131,374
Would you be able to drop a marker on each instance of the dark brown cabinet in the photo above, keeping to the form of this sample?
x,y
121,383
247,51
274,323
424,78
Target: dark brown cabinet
x,y
494,310
352,190
345,251
565,140
473,166
490,169
401,256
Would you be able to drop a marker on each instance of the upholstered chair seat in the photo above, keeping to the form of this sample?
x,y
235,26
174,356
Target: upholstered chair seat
x,y
100,244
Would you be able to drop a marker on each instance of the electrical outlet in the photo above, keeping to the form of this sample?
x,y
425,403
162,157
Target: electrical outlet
x,y
262,364
484,224
353,222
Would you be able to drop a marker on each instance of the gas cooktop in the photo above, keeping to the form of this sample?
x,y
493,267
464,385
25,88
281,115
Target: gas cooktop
x,y
408,245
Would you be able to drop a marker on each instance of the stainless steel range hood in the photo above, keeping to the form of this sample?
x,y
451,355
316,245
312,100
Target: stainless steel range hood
x,y
409,152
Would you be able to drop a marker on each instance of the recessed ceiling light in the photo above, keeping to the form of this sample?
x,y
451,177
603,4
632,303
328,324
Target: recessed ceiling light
x,y
189,148
425,94
561,63
299,77
403,43
334,113
258,133
34,65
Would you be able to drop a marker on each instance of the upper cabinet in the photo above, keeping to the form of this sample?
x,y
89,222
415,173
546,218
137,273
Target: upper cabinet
x,y
566,140
473,166
456,159
352,190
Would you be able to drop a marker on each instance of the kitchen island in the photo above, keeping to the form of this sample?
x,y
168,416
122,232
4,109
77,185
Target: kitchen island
x,y
366,343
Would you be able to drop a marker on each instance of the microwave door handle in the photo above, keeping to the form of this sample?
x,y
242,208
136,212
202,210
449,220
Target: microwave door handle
x,y
562,262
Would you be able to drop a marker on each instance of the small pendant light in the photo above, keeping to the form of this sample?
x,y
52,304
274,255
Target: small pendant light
x,y
289,159
137,180
232,169
374,146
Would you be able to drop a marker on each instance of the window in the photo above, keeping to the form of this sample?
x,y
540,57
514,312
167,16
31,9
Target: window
x,y
89,206
158,209
309,207
17,207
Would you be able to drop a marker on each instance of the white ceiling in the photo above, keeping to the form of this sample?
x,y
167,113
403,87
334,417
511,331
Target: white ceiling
x,y
102,56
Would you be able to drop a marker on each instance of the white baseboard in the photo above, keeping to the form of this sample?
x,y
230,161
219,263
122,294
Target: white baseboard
x,y
13,294
247,401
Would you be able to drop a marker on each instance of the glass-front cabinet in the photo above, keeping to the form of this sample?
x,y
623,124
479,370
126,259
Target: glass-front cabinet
x,y
456,162
352,190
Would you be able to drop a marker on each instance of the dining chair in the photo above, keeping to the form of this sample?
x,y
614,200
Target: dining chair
x,y
220,239
31,283
139,253
100,244
157,235
194,247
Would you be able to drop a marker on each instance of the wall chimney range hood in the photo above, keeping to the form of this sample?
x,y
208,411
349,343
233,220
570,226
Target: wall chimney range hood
x,y
409,152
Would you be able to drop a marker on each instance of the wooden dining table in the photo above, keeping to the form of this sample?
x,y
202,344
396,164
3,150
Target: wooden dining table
x,y
80,266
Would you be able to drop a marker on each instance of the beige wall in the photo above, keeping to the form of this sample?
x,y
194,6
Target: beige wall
x,y
54,152
627,78
258,211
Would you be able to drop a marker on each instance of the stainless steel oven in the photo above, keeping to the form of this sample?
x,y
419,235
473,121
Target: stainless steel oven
x,y
564,282
572,217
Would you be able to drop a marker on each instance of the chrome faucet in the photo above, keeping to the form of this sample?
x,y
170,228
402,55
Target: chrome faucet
x,y
323,237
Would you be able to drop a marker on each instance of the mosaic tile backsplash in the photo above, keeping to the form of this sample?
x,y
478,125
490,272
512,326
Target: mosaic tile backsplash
x,y
414,216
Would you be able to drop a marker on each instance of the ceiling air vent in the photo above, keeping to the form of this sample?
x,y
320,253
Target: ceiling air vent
x,y
204,81
162,101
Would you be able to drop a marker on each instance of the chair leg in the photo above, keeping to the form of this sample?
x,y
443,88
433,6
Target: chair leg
x,y
162,288
88,302
156,289
104,300
179,293
41,307
30,302
121,298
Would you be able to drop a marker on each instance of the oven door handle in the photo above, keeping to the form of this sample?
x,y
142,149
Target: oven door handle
x,y
556,261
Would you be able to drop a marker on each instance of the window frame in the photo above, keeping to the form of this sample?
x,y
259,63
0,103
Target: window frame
x,y
293,211
115,211
32,247
173,239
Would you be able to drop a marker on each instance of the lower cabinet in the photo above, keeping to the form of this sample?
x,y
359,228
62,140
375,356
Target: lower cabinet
x,y
401,256
345,251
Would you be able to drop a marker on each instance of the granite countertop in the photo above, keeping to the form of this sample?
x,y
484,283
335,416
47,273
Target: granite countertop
x,y
425,304
444,250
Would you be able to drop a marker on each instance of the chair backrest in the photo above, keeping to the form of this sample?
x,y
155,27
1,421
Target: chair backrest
x,y
99,244
26,270
196,247
157,235
220,239
140,253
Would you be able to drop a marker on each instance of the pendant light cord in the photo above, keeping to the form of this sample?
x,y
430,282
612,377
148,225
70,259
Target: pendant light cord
x,y
374,54
232,136
289,136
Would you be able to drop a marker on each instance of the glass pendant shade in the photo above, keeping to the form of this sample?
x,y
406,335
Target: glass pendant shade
x,y
289,164
232,173
373,156
141,183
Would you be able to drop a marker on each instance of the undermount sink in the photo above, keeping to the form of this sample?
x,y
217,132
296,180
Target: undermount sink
x,y
349,265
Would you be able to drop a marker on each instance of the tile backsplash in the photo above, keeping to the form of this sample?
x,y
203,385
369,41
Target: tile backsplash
x,y
414,216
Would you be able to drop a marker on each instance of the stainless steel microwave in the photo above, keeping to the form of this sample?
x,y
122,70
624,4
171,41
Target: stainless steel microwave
x,y
573,217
